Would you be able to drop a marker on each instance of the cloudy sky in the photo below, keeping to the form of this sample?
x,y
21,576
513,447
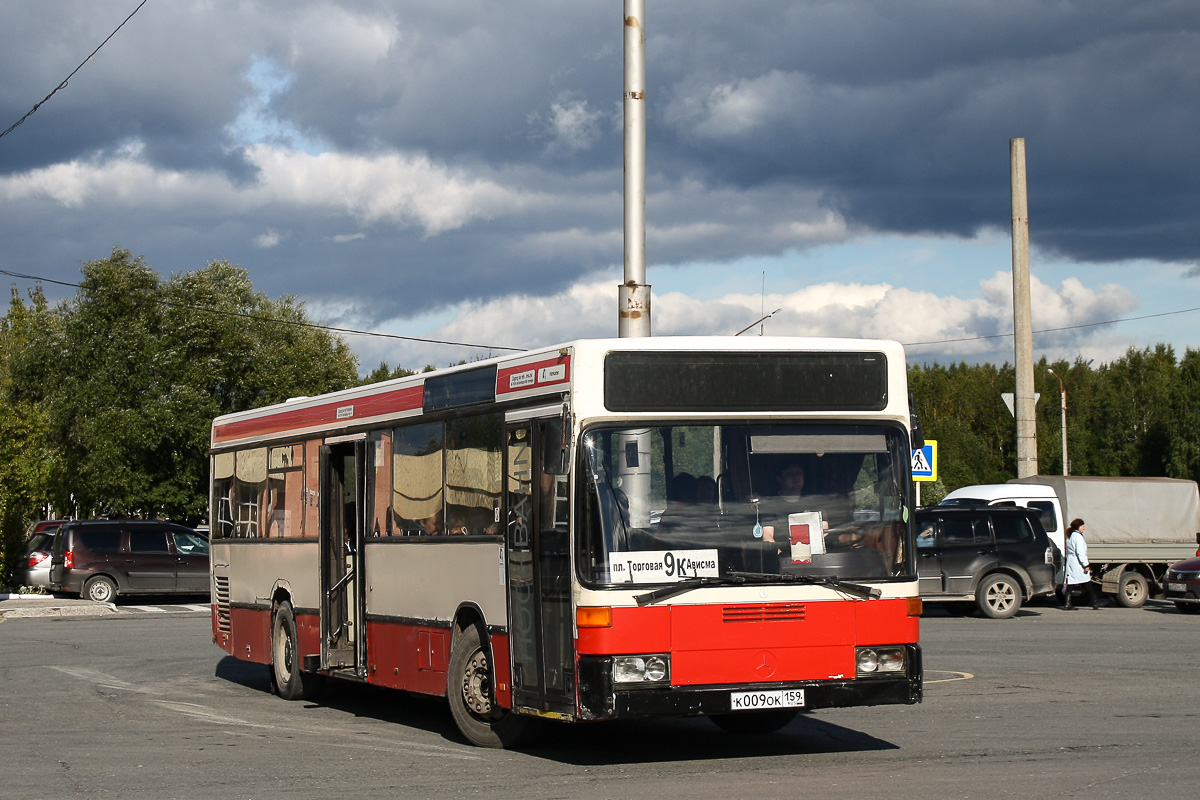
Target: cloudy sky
x,y
452,170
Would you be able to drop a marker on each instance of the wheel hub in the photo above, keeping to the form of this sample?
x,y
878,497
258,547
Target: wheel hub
x,y
477,686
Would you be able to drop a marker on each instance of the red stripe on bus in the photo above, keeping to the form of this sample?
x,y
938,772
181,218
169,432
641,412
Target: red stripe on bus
x,y
742,643
410,398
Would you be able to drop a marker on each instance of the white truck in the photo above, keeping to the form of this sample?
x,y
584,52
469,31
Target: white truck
x,y
1136,527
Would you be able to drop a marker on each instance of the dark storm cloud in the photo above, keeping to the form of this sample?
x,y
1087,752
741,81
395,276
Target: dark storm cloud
x,y
504,117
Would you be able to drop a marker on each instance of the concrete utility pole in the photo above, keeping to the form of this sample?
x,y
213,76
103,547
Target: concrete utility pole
x,y
633,303
1062,388
1027,455
634,297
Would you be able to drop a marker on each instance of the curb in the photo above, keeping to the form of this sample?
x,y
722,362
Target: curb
x,y
24,606
91,610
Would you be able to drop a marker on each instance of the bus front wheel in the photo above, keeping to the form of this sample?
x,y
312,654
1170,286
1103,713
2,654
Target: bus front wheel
x,y
291,683
472,703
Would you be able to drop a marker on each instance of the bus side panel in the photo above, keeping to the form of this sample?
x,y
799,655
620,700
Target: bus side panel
x,y
308,632
406,656
251,628
431,580
258,572
502,669
411,606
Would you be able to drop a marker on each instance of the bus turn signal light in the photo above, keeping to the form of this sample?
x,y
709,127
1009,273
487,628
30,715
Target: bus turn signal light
x,y
915,607
593,617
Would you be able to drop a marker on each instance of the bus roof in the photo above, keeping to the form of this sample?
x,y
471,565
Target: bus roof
x,y
546,371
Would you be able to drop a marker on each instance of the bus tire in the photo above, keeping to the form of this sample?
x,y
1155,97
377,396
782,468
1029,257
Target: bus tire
x,y
469,689
999,596
1133,590
100,589
750,722
289,681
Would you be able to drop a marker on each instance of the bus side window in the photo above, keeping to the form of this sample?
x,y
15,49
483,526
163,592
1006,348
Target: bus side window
x,y
474,474
417,478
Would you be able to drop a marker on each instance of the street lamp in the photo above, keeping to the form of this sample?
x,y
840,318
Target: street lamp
x,y
1063,390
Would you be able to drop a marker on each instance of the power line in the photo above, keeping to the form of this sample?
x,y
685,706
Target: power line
x,y
422,340
296,323
63,85
1054,330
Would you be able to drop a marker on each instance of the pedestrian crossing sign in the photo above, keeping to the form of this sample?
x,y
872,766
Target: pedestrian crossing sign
x,y
924,462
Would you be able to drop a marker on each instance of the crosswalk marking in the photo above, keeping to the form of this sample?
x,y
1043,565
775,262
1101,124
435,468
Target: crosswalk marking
x,y
182,608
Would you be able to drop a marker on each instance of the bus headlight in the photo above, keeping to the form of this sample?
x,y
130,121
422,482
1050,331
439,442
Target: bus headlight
x,y
641,669
879,660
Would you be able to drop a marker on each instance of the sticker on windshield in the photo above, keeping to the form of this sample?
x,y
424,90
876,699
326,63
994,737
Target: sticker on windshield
x,y
662,566
807,537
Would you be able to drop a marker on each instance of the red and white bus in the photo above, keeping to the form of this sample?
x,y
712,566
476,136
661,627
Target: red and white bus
x,y
606,529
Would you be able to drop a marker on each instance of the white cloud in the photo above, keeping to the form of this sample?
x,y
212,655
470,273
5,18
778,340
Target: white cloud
x,y
956,327
269,239
574,126
390,188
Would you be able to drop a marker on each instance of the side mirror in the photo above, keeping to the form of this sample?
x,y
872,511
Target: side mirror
x,y
914,423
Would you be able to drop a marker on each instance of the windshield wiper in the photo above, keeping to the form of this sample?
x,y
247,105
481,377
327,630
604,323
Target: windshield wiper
x,y
735,578
674,589
856,589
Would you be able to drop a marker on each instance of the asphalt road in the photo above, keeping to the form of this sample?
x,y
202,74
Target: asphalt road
x,y
1097,704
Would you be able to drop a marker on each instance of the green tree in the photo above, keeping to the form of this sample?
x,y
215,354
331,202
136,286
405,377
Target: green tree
x,y
961,409
26,463
134,369
1185,442
385,373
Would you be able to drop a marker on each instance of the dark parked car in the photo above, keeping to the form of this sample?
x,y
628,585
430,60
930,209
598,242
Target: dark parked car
x,y
996,557
103,558
1182,585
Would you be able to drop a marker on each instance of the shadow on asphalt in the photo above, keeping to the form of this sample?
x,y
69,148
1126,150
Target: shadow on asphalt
x,y
584,744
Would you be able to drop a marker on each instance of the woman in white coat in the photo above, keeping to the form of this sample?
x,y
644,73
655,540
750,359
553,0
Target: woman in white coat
x,y
1078,575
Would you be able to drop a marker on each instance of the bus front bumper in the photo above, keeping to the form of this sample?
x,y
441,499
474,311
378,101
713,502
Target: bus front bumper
x,y
600,700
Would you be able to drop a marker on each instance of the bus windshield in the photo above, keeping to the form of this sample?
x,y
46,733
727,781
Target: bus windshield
x,y
670,503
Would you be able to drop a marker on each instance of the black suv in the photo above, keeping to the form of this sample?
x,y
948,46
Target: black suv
x,y
996,557
103,558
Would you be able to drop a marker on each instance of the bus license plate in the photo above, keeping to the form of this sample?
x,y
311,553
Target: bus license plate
x,y
782,698
1176,587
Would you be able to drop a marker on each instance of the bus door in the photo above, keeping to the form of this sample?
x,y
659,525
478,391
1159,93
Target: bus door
x,y
539,569
343,520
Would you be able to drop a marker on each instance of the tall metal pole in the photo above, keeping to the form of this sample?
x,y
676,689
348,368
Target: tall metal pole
x,y
1062,389
1023,409
634,296
633,303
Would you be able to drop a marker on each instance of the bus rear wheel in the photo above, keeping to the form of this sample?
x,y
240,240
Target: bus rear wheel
x,y
469,688
289,681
